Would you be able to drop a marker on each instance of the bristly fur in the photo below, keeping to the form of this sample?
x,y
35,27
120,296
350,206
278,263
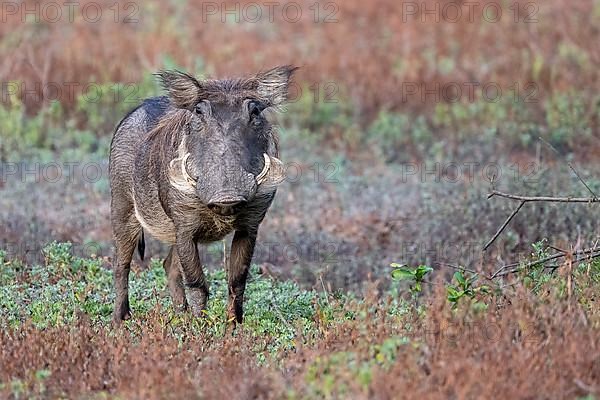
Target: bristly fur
x,y
169,131
273,85
182,88
269,87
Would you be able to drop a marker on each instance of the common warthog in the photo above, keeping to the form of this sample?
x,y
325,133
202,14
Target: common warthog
x,y
192,167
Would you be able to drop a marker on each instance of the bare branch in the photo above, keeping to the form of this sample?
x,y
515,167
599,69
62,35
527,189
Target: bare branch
x,y
593,252
510,217
544,198
457,267
527,199
572,168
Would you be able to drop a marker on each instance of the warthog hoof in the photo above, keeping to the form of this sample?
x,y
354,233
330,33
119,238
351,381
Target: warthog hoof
x,y
197,300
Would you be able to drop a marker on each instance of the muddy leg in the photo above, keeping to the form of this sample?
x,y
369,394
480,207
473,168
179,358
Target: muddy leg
x,y
194,281
175,281
242,248
126,232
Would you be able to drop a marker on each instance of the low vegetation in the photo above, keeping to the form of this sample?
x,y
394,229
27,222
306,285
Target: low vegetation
x,y
454,340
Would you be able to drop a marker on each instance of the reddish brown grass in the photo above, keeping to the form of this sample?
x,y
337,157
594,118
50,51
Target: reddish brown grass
x,y
528,347
370,51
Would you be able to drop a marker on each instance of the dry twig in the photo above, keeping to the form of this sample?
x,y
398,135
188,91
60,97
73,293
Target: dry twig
x,y
582,255
549,199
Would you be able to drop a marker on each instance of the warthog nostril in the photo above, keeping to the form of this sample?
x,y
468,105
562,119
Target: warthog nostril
x,y
226,206
226,203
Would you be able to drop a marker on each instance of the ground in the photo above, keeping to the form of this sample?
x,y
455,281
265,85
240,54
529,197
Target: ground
x,y
57,339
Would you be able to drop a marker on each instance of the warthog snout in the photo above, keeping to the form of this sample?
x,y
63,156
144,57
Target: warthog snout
x,y
227,204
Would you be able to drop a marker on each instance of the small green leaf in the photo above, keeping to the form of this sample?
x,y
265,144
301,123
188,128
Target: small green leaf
x,y
421,271
459,277
403,273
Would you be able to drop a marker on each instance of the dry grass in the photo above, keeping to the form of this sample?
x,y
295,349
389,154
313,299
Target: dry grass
x,y
525,346
369,52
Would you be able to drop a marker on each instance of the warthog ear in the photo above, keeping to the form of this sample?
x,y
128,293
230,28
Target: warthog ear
x,y
183,89
273,85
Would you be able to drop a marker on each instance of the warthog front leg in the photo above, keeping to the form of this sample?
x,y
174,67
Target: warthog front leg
x,y
172,268
242,248
192,273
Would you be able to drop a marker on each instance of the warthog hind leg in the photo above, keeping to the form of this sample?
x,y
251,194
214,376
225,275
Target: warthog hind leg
x,y
126,231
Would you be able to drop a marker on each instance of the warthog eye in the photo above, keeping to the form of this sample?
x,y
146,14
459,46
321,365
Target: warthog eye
x,y
255,108
202,108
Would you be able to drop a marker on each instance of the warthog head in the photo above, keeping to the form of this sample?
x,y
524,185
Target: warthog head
x,y
227,152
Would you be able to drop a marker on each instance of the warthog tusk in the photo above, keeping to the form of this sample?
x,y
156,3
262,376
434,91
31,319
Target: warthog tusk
x,y
179,177
184,172
273,173
260,178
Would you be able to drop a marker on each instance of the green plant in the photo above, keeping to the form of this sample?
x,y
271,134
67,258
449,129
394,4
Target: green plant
x,y
390,131
54,294
19,133
464,287
415,275
535,275
568,119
